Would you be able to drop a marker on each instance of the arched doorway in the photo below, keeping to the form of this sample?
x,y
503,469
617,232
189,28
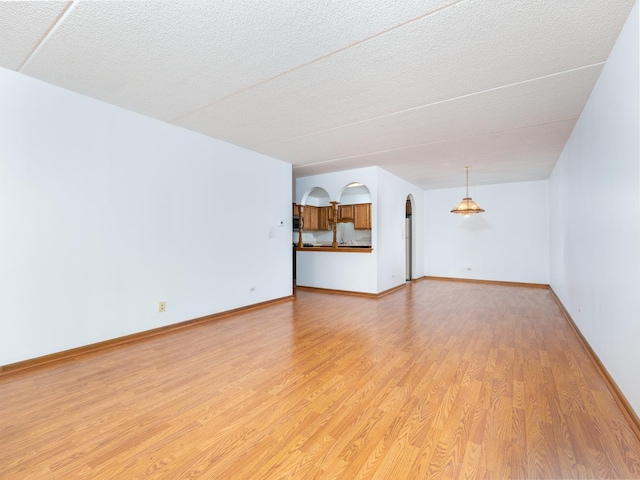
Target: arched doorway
x,y
408,238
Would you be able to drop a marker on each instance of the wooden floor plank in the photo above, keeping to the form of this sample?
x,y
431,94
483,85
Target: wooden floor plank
x,y
437,380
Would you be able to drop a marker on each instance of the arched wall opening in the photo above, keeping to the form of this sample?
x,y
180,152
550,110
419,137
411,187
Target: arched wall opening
x,y
409,237
354,204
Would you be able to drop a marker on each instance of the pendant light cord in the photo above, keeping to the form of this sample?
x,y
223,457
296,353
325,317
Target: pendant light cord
x,y
467,168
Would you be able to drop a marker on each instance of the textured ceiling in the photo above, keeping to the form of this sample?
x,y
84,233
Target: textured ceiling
x,y
420,88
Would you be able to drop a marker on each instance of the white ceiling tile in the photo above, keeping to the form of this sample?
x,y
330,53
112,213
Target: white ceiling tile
x,y
470,47
22,26
538,102
167,58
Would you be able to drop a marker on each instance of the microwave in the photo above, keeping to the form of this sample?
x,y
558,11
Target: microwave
x,y
298,223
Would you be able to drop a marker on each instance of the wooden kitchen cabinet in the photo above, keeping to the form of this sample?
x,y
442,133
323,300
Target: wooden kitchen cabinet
x,y
362,216
316,218
325,218
359,214
321,218
345,213
310,214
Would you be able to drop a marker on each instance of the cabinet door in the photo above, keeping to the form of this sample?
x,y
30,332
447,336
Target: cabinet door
x,y
296,210
310,214
362,216
324,216
345,213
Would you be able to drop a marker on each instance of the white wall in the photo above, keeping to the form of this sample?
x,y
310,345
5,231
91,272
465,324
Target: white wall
x,y
595,219
392,199
104,213
382,269
508,242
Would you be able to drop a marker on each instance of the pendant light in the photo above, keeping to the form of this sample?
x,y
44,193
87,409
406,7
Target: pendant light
x,y
467,206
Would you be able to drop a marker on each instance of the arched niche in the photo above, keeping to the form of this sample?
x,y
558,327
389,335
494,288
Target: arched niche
x,y
316,197
355,193
354,225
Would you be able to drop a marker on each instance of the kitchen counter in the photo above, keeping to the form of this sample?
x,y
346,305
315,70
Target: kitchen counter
x,y
340,248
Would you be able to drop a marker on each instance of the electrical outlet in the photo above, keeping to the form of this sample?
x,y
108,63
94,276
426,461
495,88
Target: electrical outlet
x,y
468,269
252,289
162,307
270,232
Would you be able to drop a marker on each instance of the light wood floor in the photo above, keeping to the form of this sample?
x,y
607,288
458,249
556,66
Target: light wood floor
x,y
438,380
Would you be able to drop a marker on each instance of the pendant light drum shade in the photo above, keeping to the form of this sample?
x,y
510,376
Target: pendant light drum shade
x,y
467,206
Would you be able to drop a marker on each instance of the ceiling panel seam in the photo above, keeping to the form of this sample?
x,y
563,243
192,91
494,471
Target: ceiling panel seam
x,y
439,102
318,59
54,26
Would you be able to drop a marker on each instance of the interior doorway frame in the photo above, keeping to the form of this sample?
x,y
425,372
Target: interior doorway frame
x,y
408,238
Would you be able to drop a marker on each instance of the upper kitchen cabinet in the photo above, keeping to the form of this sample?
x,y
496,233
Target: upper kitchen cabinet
x,y
345,213
325,218
359,214
362,216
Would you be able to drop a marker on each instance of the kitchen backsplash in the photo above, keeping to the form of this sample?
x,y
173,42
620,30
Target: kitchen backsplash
x,y
346,234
